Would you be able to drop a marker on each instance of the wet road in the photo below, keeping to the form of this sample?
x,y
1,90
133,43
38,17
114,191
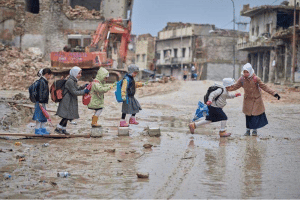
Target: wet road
x,y
180,165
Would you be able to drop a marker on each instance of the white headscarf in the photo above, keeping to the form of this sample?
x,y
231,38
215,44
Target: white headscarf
x,y
248,67
40,74
75,71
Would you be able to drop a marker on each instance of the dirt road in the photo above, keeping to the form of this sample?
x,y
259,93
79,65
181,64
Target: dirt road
x,y
180,165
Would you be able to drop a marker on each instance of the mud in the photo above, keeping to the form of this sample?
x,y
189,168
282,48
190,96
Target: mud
x,y
179,164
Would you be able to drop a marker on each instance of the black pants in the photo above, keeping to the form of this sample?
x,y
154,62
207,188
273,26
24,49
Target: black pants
x,y
63,122
124,115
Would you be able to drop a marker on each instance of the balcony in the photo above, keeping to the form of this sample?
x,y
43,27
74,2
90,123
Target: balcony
x,y
254,45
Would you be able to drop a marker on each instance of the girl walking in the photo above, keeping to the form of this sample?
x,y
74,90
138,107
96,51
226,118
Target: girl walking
x,y
216,102
42,98
130,104
97,92
253,106
68,106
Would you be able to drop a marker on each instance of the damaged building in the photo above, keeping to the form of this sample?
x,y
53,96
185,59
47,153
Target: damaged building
x,y
269,45
145,51
209,49
47,24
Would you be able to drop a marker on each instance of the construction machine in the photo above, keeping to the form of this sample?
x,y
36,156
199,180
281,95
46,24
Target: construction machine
x,y
106,48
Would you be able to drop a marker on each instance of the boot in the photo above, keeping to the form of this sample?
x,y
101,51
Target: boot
x,y
133,121
254,133
94,121
44,131
224,134
192,127
63,131
123,123
247,133
58,130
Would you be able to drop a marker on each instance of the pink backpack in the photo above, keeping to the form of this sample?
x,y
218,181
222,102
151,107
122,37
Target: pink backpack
x,y
86,98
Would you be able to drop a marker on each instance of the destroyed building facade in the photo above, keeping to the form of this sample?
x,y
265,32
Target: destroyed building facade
x,y
209,49
269,45
145,51
46,24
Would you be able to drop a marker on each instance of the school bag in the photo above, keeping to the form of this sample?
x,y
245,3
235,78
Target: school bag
x,y
118,92
56,90
201,111
86,98
210,90
33,91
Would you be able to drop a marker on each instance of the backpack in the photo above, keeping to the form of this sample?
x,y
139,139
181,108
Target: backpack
x,y
33,91
56,90
86,98
210,90
118,92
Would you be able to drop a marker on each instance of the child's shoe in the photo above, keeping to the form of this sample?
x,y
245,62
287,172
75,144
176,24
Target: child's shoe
x,y
44,131
254,133
63,131
192,127
123,123
133,121
58,130
37,131
247,133
224,134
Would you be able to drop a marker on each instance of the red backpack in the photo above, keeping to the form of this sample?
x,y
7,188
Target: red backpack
x,y
86,98
56,90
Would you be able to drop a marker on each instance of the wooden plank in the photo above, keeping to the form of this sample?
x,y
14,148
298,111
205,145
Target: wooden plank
x,y
43,136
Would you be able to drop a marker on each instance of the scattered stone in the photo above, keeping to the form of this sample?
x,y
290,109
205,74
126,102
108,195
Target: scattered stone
x,y
110,150
142,175
22,159
20,156
120,160
286,138
97,132
53,184
123,131
119,173
147,146
132,151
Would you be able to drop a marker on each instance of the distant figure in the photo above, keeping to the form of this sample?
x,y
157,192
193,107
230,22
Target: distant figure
x,y
185,73
194,73
67,48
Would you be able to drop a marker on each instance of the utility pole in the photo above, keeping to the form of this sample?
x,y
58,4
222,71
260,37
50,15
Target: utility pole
x,y
181,53
233,46
294,45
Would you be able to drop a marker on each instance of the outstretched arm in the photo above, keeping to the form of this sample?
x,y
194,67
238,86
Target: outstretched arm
x,y
236,86
73,89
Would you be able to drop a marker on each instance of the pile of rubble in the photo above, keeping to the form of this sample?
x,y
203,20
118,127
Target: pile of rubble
x,y
19,69
80,12
8,3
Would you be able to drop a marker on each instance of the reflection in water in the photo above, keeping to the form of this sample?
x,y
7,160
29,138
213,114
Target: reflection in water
x,y
252,169
216,163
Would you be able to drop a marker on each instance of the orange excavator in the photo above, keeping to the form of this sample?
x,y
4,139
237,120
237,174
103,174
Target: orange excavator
x,y
106,48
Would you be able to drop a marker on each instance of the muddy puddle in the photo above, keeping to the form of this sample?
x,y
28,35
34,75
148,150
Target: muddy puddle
x,y
180,165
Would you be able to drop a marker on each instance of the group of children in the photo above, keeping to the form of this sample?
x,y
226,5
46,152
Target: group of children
x,y
68,106
253,106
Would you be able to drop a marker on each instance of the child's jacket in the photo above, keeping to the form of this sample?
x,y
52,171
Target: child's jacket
x,y
253,102
98,90
221,102
43,91
128,86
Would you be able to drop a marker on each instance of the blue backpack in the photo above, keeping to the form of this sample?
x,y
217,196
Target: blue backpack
x,y
118,92
201,111
33,91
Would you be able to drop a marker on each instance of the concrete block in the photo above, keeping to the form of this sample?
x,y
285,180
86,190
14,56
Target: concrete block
x,y
123,131
154,131
97,132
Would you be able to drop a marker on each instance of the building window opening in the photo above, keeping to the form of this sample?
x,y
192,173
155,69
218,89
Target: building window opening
x,y
284,20
144,57
175,53
257,31
167,53
138,58
33,6
252,31
183,52
90,5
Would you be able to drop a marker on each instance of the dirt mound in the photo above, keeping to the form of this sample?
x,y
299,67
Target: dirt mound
x,y
18,69
287,94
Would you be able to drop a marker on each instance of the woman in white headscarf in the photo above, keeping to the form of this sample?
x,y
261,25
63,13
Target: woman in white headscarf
x,y
68,106
253,106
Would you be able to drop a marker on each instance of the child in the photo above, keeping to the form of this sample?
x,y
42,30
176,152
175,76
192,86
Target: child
x,y
215,107
68,106
97,92
42,99
130,104
253,106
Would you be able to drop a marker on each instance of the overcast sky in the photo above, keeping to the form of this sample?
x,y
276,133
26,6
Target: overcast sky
x,y
151,16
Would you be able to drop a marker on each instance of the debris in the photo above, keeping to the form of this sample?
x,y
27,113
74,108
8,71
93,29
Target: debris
x,y
147,146
119,173
19,96
53,184
142,175
63,174
188,157
45,145
18,143
6,176
110,150
20,156
286,138
120,160
22,159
